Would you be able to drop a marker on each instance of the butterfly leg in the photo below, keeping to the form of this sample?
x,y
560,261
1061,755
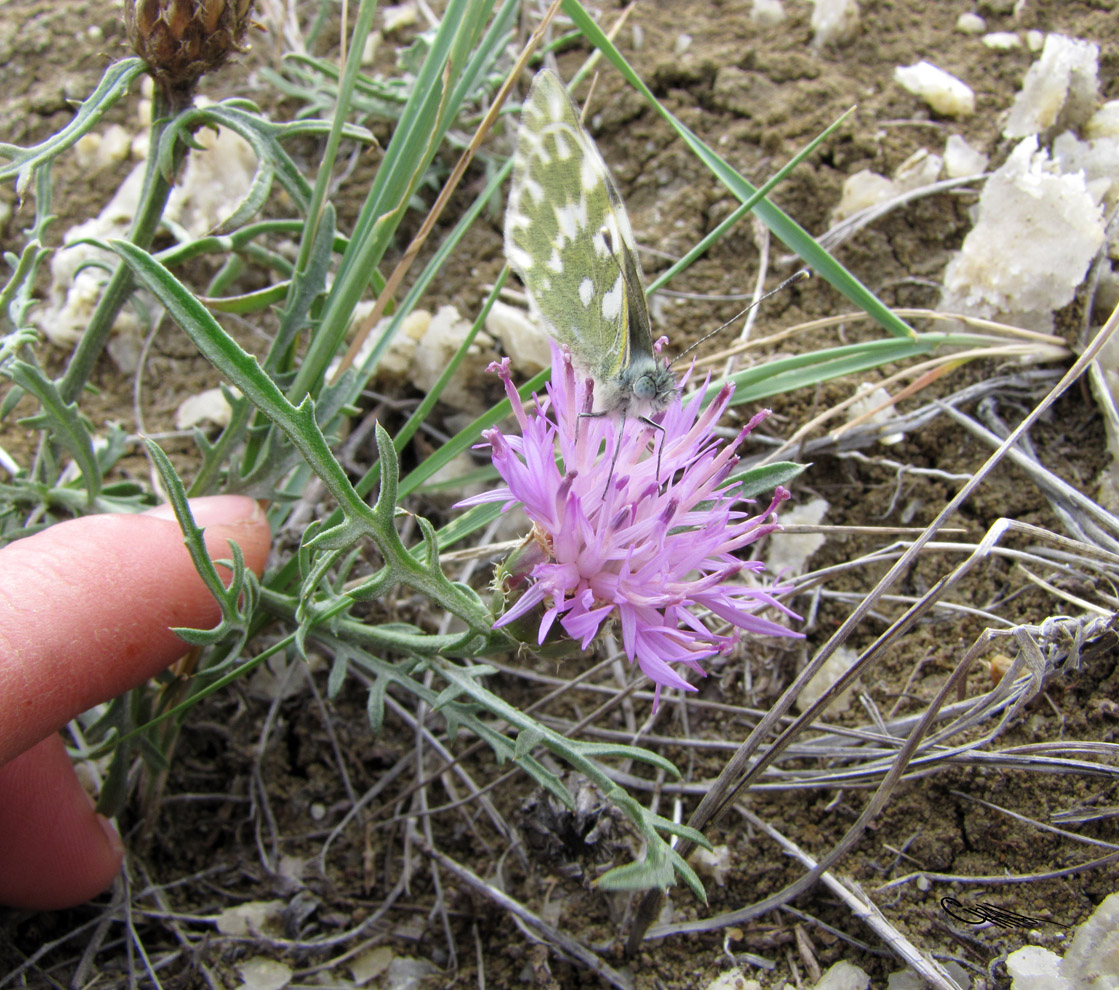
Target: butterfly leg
x,y
660,447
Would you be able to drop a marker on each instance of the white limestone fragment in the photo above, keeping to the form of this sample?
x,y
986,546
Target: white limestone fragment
x,y
435,351
210,406
1092,961
395,362
1098,160
369,47
788,553
370,964
1104,123
834,21
95,150
212,185
919,170
905,979
408,973
252,918
399,16
1060,88
970,23
843,976
714,863
1035,968
767,13
521,338
87,150
841,661
1035,40
262,973
873,402
73,294
1002,41
1036,234
941,90
733,979
960,158
862,190
116,145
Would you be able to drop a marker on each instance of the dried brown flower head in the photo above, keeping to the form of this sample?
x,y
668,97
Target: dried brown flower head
x,y
181,40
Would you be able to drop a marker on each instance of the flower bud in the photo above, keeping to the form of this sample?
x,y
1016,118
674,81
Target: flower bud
x,y
511,580
181,40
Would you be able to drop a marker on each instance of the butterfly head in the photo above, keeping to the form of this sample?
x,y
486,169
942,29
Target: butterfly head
x,y
642,387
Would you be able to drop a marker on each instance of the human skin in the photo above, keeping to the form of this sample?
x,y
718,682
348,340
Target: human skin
x,y
86,608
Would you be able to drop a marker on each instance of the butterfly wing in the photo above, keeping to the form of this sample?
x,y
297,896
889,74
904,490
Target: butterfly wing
x,y
568,237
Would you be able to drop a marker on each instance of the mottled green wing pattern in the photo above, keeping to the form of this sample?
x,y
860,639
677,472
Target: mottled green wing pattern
x,y
568,237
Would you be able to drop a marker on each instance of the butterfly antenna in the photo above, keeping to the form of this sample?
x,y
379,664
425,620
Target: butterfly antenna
x,y
800,276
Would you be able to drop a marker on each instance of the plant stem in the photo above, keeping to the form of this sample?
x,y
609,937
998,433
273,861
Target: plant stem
x,y
149,213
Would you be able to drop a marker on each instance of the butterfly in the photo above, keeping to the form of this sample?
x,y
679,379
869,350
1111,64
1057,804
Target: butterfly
x,y
568,238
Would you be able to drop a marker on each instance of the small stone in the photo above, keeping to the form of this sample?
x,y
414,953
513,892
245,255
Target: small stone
x,y
1002,41
941,90
844,976
1061,88
960,158
1035,968
261,973
834,21
767,13
970,23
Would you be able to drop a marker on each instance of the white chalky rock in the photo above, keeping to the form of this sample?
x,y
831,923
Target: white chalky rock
x,y
1060,87
919,170
970,23
861,190
1092,961
1002,41
212,185
395,362
789,552
1034,968
767,13
521,338
834,21
1104,122
210,406
733,979
941,90
435,351
833,669
1036,233
960,158
843,976
262,973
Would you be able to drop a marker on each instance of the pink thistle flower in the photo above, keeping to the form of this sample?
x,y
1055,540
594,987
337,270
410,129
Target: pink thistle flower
x,y
656,556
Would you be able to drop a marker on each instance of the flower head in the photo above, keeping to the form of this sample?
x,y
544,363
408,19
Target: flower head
x,y
181,40
646,539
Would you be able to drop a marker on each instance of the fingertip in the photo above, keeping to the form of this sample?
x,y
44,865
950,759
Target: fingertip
x,y
227,518
57,851
87,608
